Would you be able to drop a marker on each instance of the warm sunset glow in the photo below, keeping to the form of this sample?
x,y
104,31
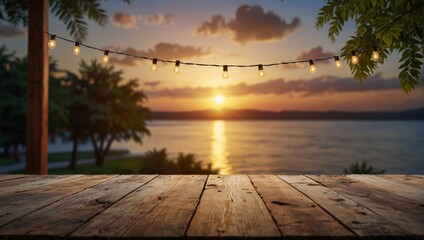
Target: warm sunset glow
x,y
219,148
219,100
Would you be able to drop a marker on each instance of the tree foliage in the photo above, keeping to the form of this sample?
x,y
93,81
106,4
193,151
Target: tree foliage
x,y
391,25
72,13
362,168
13,93
158,162
112,108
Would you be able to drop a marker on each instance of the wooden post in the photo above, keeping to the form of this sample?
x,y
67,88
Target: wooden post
x,y
38,88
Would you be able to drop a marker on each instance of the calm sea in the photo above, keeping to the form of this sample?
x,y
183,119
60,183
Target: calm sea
x,y
289,147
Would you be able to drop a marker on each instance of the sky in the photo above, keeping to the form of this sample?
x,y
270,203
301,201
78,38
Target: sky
x,y
229,32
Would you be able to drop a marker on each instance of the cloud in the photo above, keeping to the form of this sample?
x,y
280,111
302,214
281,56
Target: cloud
x,y
161,50
251,24
124,20
313,53
152,84
305,87
10,31
157,19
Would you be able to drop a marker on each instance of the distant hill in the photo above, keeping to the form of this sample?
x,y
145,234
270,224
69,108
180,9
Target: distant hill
x,y
231,114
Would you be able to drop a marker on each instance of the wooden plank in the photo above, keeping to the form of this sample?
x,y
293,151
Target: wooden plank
x,y
409,191
395,208
295,214
64,216
38,88
16,205
32,181
356,217
161,208
417,181
5,177
230,207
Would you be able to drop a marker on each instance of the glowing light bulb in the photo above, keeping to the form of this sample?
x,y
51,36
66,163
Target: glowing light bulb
x,y
375,56
261,70
354,58
312,67
77,48
177,67
52,42
225,74
106,56
337,62
154,65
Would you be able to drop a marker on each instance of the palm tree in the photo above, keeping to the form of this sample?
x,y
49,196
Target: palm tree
x,y
363,168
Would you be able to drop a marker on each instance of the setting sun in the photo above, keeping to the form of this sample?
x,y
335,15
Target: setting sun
x,y
219,100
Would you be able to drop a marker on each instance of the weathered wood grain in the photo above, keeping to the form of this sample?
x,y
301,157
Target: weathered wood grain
x,y
357,218
64,216
395,208
161,208
409,191
16,205
5,177
295,214
417,181
31,181
230,207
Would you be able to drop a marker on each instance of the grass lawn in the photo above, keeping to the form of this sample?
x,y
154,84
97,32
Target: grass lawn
x,y
128,165
66,156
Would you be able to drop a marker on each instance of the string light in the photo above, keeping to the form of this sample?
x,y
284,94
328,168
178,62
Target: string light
x,y
354,58
106,56
76,48
225,74
312,67
261,70
337,62
52,42
154,65
375,56
177,66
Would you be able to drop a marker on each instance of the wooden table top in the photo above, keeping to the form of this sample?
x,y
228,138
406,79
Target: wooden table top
x,y
199,206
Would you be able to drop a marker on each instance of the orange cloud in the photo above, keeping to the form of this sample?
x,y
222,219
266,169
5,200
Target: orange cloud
x,y
161,50
305,87
251,24
124,20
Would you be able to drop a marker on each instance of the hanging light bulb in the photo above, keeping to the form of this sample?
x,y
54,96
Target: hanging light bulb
x,y
375,56
77,48
52,42
154,65
177,67
106,56
225,74
337,62
354,58
312,67
261,70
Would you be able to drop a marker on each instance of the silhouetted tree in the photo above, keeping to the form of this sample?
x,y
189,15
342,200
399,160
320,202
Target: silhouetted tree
x,y
363,168
112,107
158,161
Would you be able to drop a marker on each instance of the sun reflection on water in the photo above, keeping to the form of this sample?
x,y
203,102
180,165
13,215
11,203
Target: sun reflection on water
x,y
219,148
